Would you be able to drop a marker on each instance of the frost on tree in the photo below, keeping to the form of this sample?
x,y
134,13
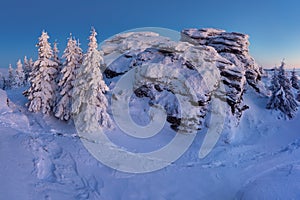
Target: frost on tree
x,y
20,75
282,96
89,102
73,58
41,94
294,80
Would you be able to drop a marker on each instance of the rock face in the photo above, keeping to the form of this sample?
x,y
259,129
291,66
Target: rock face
x,y
182,77
232,46
178,76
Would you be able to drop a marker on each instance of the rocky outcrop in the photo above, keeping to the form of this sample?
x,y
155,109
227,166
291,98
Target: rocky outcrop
x,y
182,77
178,76
232,46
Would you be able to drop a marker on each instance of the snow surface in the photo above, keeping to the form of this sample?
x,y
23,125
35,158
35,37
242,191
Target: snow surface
x,y
43,158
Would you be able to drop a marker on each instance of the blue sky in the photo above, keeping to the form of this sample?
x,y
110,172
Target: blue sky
x,y
273,26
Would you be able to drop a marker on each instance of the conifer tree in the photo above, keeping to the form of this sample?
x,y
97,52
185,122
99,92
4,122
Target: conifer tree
x,y
27,68
89,105
56,58
41,94
20,75
55,53
294,80
282,96
72,56
10,82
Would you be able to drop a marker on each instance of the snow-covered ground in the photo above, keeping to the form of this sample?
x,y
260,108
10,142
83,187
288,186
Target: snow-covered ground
x,y
43,158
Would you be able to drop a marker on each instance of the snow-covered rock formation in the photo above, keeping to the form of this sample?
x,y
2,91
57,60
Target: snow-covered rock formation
x,y
232,46
165,69
191,69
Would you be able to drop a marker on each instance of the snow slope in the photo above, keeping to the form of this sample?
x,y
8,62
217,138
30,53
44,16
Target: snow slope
x,y
42,158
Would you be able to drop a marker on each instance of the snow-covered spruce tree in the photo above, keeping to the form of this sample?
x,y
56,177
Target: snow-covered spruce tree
x,y
26,68
28,65
58,68
78,50
294,80
41,94
73,58
20,75
56,56
10,82
55,52
282,96
89,105
274,101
